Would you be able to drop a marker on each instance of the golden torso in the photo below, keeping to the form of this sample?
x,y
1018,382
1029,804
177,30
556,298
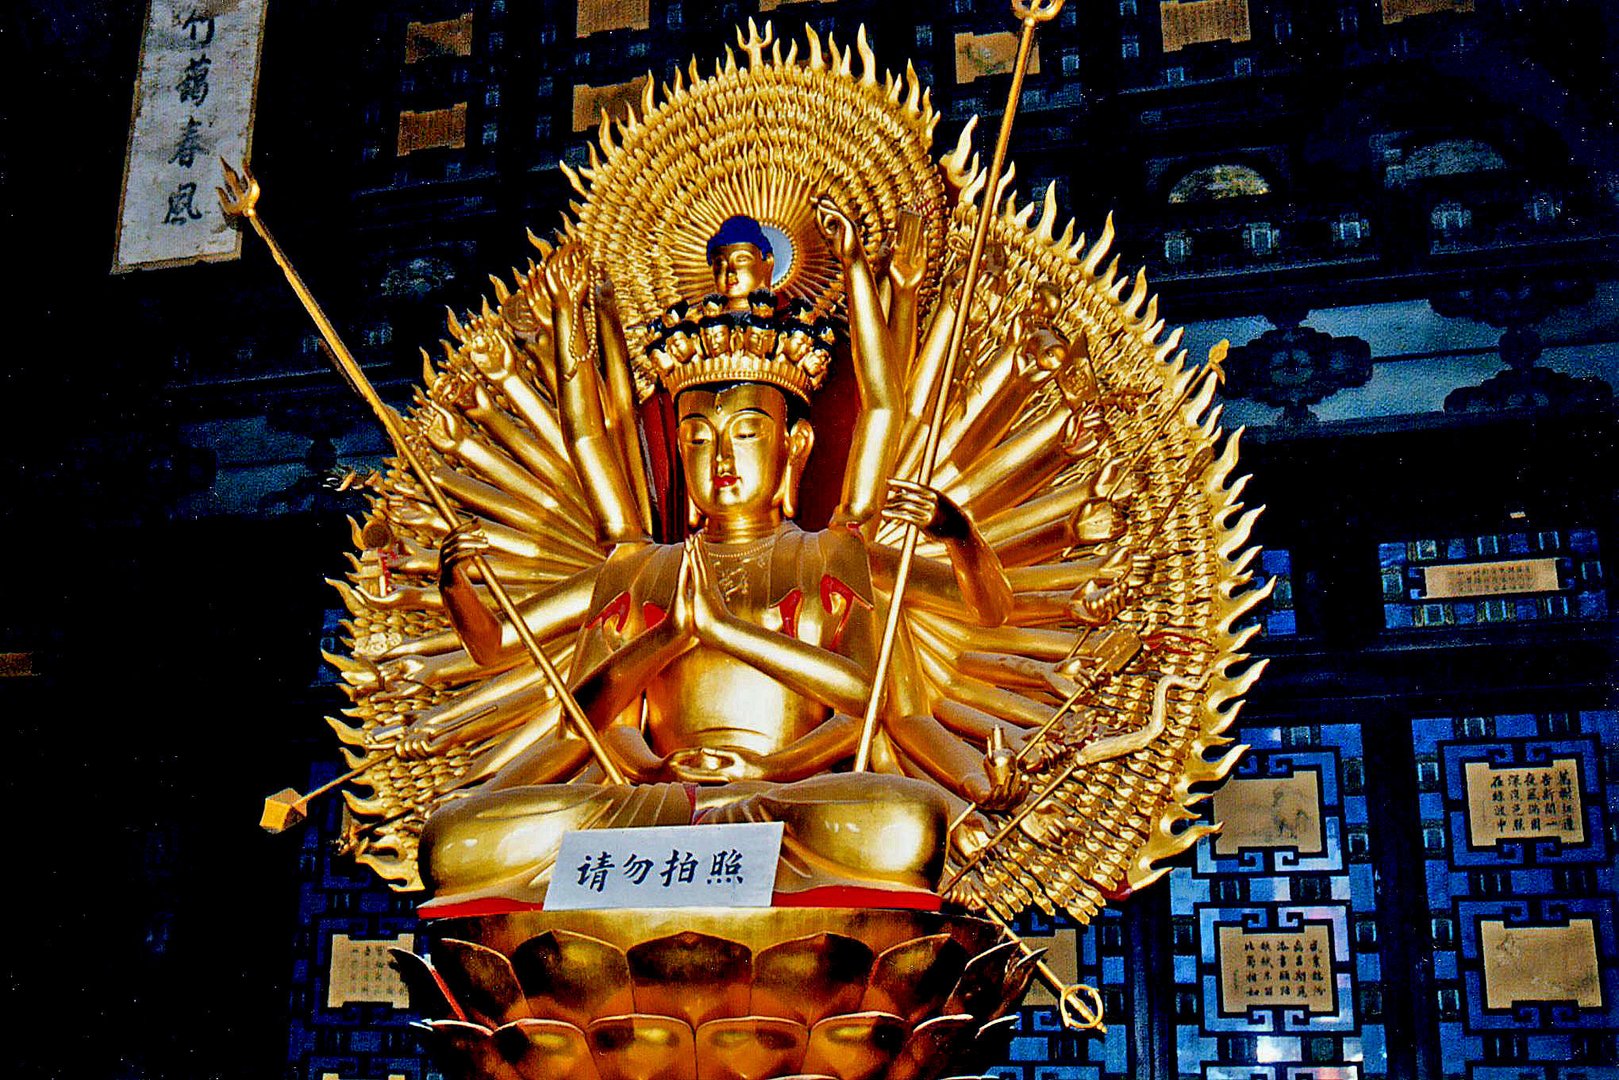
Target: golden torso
x,y
710,699
810,586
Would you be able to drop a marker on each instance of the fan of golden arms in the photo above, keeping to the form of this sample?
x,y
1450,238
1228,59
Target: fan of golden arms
x,y
984,660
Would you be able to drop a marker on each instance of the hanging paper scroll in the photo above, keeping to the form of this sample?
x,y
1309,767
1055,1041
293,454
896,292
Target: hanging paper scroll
x,y
193,105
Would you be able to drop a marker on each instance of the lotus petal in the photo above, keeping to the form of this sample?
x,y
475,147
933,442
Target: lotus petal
x,y
749,1048
428,995
471,1052
480,979
810,978
697,977
858,1046
641,1047
1018,977
915,977
992,1041
983,982
573,977
546,1050
933,1047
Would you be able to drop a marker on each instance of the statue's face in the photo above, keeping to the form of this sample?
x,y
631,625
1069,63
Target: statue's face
x,y
681,347
716,338
797,343
735,448
761,340
818,360
739,269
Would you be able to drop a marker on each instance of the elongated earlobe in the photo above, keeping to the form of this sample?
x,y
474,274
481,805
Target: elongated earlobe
x,y
694,516
800,441
789,491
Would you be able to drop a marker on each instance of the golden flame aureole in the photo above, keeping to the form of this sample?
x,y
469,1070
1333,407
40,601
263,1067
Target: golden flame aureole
x,y
763,138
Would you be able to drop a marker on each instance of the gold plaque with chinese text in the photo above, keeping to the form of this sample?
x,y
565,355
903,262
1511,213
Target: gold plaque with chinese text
x,y
1504,578
361,971
1278,968
598,15
436,129
1398,10
979,55
1529,803
1540,963
589,101
1193,22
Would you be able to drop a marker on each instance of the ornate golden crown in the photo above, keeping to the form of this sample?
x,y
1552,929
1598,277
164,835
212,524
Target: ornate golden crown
x,y
790,350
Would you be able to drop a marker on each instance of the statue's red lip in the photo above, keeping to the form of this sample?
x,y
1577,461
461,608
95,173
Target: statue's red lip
x,y
724,481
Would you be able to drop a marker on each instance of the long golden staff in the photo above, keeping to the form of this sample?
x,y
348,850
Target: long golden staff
x,y
241,201
1033,13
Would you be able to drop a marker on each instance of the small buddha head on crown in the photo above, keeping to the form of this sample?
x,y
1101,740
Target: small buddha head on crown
x,y
798,335
743,262
714,326
760,329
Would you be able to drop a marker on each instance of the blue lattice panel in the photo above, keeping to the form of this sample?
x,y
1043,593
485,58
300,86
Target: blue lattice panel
x,y
1277,964
1041,1049
1277,613
1519,822
349,1013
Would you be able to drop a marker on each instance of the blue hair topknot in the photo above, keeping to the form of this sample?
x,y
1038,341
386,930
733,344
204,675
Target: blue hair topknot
x,y
739,230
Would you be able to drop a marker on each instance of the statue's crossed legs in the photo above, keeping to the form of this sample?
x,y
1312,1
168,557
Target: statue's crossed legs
x,y
862,830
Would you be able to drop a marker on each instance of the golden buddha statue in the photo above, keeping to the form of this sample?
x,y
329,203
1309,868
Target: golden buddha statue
x,y
628,425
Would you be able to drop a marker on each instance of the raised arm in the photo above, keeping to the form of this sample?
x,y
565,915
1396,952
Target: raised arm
x,y
620,397
553,610
596,453
906,268
877,426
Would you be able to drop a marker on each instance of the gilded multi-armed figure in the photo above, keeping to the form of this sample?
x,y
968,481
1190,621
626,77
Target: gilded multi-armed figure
x,y
1066,652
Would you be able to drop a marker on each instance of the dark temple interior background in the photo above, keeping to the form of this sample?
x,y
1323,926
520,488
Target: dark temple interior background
x,y
1403,215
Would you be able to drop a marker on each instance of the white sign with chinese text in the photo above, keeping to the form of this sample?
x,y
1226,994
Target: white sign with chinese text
x,y
193,106
672,866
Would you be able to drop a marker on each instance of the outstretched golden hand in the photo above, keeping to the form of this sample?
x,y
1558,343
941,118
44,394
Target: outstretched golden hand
x,y
838,229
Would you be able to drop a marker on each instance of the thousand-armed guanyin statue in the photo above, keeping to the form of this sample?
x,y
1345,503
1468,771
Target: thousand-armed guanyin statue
x,y
786,486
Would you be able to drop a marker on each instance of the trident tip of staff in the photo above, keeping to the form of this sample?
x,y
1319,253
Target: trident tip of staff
x,y
241,191
1036,10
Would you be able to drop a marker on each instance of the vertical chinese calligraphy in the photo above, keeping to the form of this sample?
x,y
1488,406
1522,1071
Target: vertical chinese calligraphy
x,y
193,85
182,205
1530,803
1284,969
193,105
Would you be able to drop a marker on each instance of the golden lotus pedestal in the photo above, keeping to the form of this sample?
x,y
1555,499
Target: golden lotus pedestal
x,y
716,993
